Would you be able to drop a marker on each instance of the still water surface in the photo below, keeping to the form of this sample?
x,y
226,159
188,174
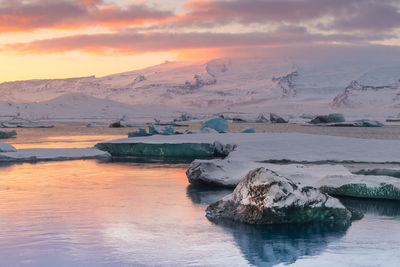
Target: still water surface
x,y
89,213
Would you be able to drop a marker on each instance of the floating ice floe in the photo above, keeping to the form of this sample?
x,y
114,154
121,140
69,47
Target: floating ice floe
x,y
268,147
264,197
4,147
362,186
332,179
22,123
52,154
7,134
219,124
227,172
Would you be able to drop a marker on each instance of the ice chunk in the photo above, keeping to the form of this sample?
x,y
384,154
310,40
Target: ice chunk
x,y
166,150
331,118
118,124
22,123
381,187
275,118
138,133
264,197
248,130
7,134
218,124
368,123
357,123
162,130
227,172
4,147
380,172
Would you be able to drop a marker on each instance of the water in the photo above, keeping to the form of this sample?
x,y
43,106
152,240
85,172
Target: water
x,y
90,213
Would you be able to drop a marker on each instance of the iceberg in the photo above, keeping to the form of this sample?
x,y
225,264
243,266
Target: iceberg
x,y
7,134
248,130
4,147
277,119
331,118
166,150
228,172
139,133
162,130
280,147
52,154
219,124
380,172
264,197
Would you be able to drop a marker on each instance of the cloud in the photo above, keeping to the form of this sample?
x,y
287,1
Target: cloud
x,y
349,15
27,16
142,43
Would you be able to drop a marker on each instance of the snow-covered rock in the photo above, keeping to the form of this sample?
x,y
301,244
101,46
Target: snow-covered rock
x,y
264,197
219,124
4,147
7,134
357,95
52,154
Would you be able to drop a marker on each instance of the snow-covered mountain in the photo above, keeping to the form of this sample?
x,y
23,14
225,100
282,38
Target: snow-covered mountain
x,y
81,106
357,95
239,84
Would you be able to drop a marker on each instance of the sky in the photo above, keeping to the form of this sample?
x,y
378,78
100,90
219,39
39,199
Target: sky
x,y
73,38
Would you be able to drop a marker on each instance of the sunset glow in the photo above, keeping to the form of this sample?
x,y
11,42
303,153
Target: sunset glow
x,y
64,38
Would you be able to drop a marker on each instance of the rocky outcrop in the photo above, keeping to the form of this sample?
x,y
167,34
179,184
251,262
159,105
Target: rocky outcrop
x,y
287,83
356,95
264,197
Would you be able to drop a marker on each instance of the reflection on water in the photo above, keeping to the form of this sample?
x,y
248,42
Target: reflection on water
x,y
88,213
205,194
273,244
379,207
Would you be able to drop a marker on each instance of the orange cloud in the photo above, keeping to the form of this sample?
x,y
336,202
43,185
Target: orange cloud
x,y
21,16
